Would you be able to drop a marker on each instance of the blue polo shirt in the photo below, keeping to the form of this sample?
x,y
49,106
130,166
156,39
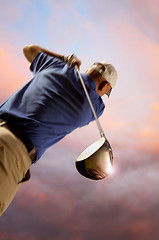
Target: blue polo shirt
x,y
52,104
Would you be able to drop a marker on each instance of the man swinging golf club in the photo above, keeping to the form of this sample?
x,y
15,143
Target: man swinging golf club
x,y
43,111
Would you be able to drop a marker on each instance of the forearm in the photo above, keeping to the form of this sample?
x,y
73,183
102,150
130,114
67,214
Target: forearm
x,y
57,55
31,51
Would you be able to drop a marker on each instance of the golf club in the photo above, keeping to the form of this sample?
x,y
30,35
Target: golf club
x,y
96,161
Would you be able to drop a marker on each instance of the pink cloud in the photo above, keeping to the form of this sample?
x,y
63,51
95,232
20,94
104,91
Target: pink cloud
x,y
120,206
10,12
14,72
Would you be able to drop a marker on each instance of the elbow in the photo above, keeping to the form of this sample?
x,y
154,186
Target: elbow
x,y
30,52
27,49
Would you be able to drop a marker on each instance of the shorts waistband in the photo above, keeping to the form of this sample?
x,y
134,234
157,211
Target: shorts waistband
x,y
28,144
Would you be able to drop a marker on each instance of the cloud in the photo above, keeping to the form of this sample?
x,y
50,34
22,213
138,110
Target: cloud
x,y
155,113
144,15
129,111
150,132
14,72
63,204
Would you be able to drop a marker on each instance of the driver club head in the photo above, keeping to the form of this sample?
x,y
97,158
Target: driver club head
x,y
96,161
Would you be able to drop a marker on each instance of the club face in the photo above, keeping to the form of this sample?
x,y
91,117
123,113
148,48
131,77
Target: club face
x,y
89,151
96,161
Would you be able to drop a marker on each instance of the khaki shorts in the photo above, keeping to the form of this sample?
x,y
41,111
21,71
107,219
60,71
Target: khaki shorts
x,y
14,166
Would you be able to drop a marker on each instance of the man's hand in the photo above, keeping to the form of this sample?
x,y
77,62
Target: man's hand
x,y
72,60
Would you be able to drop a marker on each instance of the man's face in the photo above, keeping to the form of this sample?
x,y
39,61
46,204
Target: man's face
x,y
102,86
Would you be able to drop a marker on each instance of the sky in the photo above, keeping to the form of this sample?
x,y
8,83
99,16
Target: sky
x,y
58,203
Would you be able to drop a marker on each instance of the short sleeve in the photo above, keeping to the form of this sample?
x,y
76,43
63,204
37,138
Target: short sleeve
x,y
41,61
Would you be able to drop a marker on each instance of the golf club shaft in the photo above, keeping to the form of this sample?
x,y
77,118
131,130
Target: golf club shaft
x,y
90,103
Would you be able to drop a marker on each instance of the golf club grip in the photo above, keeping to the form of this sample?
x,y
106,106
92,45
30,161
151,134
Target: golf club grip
x,y
90,103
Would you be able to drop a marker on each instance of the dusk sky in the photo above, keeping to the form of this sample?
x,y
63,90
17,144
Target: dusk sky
x,y
58,203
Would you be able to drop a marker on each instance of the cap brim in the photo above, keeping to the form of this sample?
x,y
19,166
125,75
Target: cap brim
x,y
108,93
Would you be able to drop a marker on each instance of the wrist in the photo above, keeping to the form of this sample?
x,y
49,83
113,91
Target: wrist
x,y
68,58
64,58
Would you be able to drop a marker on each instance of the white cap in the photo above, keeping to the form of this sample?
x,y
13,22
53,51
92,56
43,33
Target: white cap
x,y
110,74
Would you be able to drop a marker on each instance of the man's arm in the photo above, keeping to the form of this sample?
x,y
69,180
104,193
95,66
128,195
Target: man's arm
x,y
31,51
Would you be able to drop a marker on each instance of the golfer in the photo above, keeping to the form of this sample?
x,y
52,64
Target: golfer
x,y
43,111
